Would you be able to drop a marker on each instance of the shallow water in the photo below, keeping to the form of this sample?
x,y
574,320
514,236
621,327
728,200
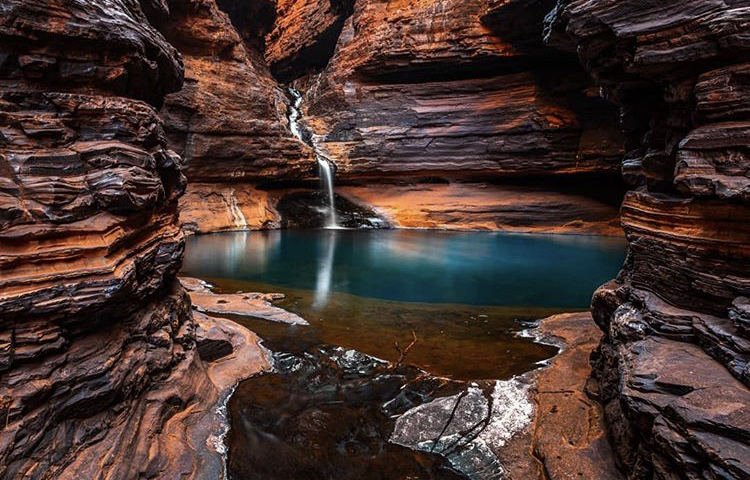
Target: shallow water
x,y
335,413
461,293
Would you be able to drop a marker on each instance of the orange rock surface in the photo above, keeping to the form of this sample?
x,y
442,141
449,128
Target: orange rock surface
x,y
100,371
212,207
467,206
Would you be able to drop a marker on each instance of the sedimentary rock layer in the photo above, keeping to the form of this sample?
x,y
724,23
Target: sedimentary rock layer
x,y
229,120
99,372
212,207
439,88
483,206
672,367
428,87
456,90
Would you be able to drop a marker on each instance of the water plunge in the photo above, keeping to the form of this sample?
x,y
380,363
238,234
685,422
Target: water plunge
x,y
325,165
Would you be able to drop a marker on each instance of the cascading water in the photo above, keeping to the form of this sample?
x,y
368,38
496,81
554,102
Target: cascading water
x,y
325,165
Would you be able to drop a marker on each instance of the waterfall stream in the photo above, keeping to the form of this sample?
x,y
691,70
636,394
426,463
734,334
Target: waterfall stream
x,y
325,165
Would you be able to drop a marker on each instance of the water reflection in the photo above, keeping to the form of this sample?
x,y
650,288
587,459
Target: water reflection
x,y
415,266
325,269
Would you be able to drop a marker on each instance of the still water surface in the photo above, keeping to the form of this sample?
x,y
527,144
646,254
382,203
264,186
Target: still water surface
x,y
461,292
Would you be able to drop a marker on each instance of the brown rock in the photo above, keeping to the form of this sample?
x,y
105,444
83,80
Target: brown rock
x,y
229,120
672,366
99,374
570,438
211,207
258,305
480,206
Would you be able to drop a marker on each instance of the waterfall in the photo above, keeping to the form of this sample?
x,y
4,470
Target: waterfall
x,y
326,179
325,165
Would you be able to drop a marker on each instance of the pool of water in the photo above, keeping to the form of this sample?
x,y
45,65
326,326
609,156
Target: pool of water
x,y
464,295
331,405
468,268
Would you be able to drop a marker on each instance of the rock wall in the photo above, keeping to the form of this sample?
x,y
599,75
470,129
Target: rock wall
x,y
463,91
395,93
229,121
672,369
99,375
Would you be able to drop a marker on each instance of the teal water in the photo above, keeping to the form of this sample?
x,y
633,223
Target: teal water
x,y
467,268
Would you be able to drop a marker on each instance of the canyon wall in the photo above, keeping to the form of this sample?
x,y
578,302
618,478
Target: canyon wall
x,y
99,371
456,102
229,121
672,370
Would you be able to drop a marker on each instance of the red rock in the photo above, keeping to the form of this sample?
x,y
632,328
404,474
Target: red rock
x,y
675,340
229,120
99,373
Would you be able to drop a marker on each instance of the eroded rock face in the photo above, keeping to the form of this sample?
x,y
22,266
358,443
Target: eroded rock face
x,y
229,120
672,368
99,375
456,90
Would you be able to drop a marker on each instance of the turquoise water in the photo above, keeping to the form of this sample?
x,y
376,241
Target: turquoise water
x,y
467,268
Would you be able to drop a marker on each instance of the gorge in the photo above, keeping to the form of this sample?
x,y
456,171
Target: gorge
x,y
409,186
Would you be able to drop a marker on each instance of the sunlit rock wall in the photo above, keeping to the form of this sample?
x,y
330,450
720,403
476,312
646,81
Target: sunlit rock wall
x,y
405,93
672,369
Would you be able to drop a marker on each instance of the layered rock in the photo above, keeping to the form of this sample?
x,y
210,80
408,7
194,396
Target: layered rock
x,y
490,206
422,89
229,121
98,368
672,367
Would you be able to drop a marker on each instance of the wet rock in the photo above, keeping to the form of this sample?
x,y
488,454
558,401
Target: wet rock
x,y
488,206
310,210
229,121
469,427
212,207
211,349
569,433
99,371
258,305
324,410
673,318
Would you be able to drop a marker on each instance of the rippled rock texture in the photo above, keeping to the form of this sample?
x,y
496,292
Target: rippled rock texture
x,y
456,90
99,375
672,369
229,121
394,93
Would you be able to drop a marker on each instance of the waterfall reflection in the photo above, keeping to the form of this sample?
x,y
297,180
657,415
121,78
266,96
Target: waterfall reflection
x,y
325,269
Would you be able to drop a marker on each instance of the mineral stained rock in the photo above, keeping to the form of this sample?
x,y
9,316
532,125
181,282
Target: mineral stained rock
x,y
672,366
99,375
228,122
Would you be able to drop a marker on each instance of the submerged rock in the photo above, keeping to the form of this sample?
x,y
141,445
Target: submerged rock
x,y
467,428
328,411
258,305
